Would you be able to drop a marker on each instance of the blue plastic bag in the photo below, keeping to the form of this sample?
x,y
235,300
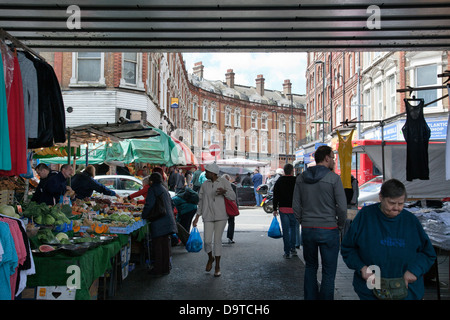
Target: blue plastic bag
x,y
274,229
195,242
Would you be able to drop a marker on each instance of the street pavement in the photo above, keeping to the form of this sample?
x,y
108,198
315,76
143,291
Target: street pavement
x,y
253,268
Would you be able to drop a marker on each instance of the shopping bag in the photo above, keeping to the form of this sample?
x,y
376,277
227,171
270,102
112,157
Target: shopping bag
x,y
231,208
274,229
194,243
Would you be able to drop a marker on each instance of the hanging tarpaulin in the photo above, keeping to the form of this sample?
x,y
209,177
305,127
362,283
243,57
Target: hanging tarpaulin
x,y
157,150
119,151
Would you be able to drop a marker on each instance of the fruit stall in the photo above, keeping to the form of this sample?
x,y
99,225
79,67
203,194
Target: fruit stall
x,y
79,248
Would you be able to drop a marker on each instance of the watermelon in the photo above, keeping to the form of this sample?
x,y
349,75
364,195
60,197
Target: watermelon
x,y
46,248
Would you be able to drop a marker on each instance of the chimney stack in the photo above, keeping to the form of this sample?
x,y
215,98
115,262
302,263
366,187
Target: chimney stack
x,y
260,84
198,69
230,78
287,87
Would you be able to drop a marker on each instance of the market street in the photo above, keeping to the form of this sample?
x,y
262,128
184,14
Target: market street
x,y
252,269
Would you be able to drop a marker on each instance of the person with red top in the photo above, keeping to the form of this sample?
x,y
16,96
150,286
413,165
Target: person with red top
x,y
143,192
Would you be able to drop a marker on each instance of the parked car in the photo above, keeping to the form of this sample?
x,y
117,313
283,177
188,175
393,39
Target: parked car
x,y
369,191
123,185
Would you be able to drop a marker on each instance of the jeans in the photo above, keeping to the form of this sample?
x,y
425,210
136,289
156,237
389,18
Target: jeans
x,y
258,198
327,242
288,225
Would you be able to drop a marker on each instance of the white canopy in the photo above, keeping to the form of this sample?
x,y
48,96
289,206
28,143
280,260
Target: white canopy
x,y
238,162
395,166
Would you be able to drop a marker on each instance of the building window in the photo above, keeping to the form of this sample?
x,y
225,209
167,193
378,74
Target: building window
x,y
367,106
213,115
264,122
254,142
254,117
264,142
426,76
205,113
282,124
378,101
338,115
227,140
131,70
228,116
194,110
205,138
88,69
354,107
282,145
237,118
392,96
237,140
153,74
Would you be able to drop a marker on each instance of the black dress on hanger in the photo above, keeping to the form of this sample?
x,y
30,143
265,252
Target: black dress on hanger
x,y
417,134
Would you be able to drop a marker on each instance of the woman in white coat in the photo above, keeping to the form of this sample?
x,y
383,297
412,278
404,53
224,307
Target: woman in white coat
x,y
212,209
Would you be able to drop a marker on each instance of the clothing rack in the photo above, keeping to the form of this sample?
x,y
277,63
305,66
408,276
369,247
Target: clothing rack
x,y
6,36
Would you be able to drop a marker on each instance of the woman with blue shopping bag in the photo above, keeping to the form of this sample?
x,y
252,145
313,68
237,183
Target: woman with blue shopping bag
x,y
211,207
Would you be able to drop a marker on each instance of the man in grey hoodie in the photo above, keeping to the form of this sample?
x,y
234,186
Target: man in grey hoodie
x,y
320,206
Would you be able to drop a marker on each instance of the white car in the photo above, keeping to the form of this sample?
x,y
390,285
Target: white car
x,y
123,185
369,191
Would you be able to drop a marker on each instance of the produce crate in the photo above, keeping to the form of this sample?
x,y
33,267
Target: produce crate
x,y
6,197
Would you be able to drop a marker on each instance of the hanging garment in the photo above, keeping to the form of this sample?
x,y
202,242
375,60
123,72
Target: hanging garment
x,y
51,116
30,95
16,124
447,144
417,134
8,263
345,159
5,150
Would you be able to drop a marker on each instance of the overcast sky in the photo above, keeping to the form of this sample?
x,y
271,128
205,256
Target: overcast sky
x,y
275,67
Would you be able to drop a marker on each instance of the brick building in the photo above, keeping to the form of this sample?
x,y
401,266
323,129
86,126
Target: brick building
x,y
251,122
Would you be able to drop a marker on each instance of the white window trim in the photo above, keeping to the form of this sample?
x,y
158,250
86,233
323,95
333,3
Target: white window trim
x,y
139,85
74,79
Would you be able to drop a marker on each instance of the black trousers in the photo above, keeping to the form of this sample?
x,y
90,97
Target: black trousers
x,y
161,254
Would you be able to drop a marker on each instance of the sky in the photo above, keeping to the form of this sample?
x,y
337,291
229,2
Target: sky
x,y
275,67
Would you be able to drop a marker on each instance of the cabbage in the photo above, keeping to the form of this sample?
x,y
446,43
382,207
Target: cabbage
x,y
8,211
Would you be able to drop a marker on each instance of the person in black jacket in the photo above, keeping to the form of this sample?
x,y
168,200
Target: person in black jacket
x,y
84,184
44,173
283,192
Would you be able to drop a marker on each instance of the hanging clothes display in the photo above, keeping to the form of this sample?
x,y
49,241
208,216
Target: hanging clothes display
x,y
345,158
5,150
16,259
447,144
417,135
30,95
51,115
16,123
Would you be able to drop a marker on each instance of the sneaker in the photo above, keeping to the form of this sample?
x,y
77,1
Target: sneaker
x,y
286,256
230,241
293,252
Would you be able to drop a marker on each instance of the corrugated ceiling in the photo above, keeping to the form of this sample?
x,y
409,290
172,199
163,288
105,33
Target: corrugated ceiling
x,y
208,25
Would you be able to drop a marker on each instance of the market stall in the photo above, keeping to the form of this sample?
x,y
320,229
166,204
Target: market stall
x,y
94,235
